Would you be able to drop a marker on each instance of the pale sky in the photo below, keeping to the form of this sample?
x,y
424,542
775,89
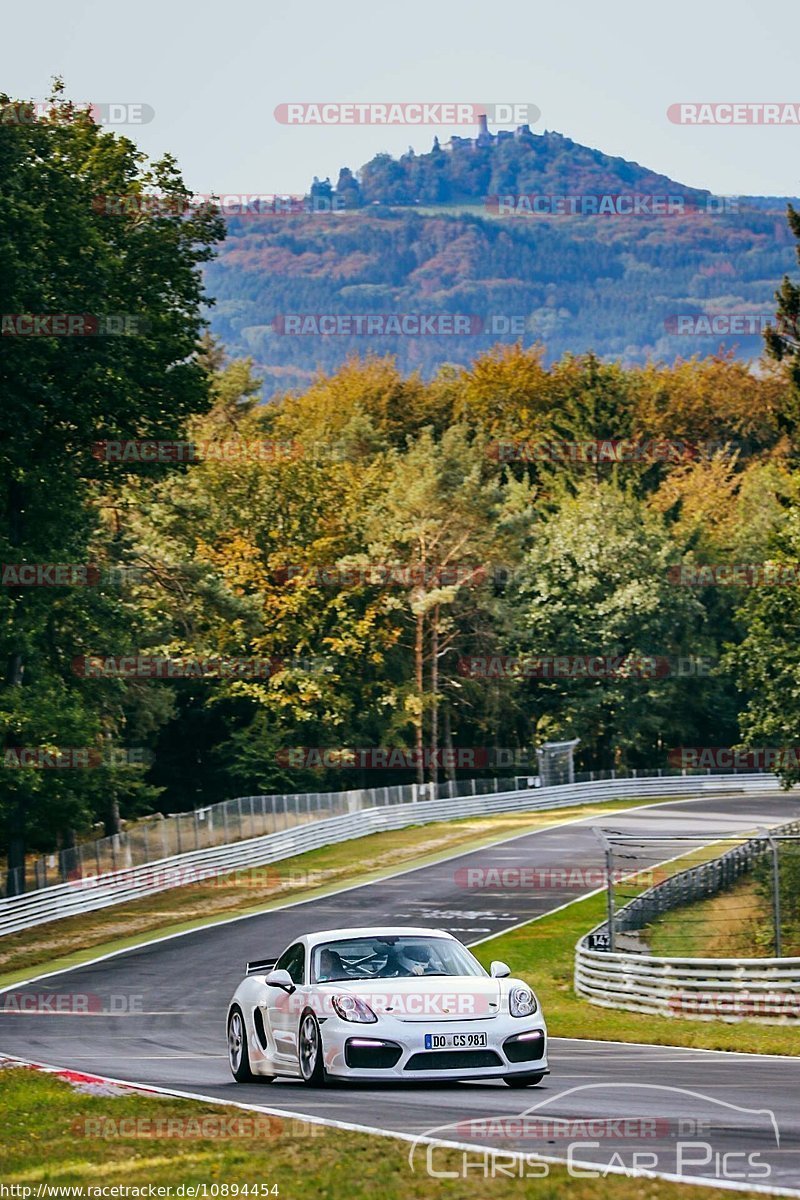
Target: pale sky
x,y
603,74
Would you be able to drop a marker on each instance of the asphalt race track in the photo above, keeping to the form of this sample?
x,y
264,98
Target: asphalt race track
x,y
181,986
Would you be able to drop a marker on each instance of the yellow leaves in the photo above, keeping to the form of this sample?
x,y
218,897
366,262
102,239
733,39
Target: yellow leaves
x,y
506,391
238,561
717,509
708,398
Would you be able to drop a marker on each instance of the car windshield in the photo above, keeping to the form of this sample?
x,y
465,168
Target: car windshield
x,y
391,957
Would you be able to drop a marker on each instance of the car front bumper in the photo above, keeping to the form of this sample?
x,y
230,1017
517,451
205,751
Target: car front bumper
x,y
395,1050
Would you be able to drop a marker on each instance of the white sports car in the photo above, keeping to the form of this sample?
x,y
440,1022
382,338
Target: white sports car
x,y
403,1003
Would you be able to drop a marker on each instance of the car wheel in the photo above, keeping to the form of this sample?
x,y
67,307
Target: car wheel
x,y
516,1081
309,1055
238,1056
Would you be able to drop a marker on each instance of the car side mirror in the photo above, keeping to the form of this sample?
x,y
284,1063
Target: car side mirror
x,y
499,970
281,979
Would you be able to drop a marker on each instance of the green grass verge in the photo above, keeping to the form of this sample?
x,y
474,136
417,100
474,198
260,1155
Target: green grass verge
x,y
73,940
737,923
543,953
53,1134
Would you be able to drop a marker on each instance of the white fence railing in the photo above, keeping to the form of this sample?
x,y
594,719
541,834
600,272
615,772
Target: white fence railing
x,y
712,989
115,887
730,989
157,837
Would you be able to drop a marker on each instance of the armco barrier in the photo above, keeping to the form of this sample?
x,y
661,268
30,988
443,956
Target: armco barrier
x,y
711,989
157,837
115,887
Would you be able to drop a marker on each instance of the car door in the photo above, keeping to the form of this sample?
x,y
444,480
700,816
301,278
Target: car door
x,y
283,1011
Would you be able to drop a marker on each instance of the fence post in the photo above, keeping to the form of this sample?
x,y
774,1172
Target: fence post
x,y
776,894
609,855
612,939
196,830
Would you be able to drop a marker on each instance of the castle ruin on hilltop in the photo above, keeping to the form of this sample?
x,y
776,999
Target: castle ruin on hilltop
x,y
485,138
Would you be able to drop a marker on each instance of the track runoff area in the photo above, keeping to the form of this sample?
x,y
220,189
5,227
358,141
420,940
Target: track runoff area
x,y
155,1016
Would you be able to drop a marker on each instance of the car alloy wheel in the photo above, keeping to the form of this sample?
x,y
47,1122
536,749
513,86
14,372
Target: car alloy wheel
x,y
238,1057
310,1050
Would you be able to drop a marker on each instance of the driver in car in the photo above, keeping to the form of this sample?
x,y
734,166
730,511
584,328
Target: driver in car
x,y
398,963
330,966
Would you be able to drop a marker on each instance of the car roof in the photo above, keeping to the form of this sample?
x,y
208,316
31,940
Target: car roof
x,y
330,935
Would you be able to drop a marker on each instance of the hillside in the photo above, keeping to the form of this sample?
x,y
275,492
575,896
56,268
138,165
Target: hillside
x,y
425,234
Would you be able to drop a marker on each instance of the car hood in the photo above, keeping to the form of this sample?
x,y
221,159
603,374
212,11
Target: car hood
x,y
421,998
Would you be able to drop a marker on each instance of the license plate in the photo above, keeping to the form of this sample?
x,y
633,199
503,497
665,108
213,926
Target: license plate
x,y
454,1041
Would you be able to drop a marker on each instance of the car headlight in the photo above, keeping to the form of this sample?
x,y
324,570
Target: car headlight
x,y
352,1008
522,1002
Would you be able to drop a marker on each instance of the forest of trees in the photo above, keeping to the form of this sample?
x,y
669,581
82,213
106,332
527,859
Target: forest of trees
x,y
424,233
613,285
371,538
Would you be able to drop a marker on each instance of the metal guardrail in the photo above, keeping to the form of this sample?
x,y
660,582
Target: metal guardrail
x,y
152,839
115,887
731,989
727,989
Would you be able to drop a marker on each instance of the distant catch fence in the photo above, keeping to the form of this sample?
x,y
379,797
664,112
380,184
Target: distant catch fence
x,y
612,972
310,828
153,839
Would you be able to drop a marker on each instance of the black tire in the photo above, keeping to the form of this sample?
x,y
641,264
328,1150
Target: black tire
x,y
520,1081
238,1055
309,1050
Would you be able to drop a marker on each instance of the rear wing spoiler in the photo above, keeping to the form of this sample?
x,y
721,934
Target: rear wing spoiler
x,y
260,966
